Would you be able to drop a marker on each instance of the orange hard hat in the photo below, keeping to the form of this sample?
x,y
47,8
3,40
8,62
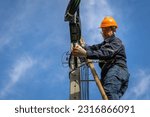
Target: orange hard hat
x,y
108,21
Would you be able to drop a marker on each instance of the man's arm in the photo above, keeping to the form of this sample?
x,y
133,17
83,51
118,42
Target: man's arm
x,y
106,51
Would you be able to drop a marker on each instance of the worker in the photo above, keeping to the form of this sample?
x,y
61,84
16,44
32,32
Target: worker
x,y
112,59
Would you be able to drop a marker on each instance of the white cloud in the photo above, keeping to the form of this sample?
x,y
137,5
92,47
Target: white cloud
x,y
18,70
143,83
21,66
18,22
93,12
140,87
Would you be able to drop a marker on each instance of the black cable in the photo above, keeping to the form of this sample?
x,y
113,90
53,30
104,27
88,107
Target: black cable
x,y
65,54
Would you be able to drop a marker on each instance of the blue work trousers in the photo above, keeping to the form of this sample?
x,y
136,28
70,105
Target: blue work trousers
x,y
115,82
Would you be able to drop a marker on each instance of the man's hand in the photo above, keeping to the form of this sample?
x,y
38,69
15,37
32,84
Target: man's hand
x,y
82,42
78,51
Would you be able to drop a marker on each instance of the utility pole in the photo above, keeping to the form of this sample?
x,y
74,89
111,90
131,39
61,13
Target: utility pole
x,y
72,16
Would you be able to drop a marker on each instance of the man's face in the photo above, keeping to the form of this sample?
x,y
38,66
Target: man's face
x,y
107,32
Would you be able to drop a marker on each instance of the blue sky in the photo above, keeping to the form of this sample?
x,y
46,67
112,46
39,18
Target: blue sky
x,y
34,36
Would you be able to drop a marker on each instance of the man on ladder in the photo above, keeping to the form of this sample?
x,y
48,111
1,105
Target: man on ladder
x,y
112,57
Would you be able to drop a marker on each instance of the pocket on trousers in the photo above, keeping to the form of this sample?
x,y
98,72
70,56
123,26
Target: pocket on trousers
x,y
122,74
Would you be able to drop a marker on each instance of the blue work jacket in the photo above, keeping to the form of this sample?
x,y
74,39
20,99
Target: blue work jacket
x,y
110,52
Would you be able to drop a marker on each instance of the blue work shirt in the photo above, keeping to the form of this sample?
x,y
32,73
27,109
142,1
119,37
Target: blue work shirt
x,y
110,52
